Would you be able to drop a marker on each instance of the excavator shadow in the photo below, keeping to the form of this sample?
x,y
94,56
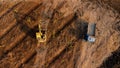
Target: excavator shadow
x,y
24,27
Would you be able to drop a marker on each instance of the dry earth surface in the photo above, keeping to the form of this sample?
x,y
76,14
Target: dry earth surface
x,y
67,22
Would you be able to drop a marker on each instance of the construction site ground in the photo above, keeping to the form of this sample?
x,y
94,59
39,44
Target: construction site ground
x,y
67,22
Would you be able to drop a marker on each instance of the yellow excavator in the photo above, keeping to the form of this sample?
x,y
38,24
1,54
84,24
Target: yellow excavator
x,y
41,35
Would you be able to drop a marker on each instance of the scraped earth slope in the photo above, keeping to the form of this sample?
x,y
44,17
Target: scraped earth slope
x,y
67,23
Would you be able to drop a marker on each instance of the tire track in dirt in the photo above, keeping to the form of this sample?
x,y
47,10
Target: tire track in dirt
x,y
11,40
59,27
76,53
7,21
22,53
28,57
59,53
61,56
7,10
28,47
30,63
65,57
62,39
25,11
30,54
17,36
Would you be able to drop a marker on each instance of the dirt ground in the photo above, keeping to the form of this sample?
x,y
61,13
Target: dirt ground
x,y
67,22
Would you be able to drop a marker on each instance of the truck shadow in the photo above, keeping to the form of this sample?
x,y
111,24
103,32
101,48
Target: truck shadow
x,y
79,29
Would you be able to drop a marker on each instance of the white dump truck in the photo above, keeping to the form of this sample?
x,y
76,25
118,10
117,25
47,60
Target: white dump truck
x,y
90,36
